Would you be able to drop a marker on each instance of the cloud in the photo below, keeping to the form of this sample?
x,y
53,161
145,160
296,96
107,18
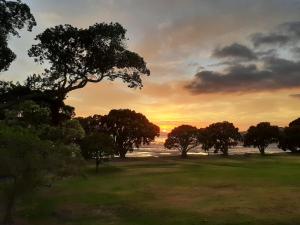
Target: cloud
x,y
284,34
295,95
260,39
275,74
271,69
235,51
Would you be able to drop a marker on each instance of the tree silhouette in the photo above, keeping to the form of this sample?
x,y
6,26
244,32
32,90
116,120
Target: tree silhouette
x,y
129,130
96,146
205,139
223,136
290,137
14,15
183,138
81,56
261,136
91,124
12,94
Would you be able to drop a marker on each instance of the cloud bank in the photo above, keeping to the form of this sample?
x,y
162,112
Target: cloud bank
x,y
263,67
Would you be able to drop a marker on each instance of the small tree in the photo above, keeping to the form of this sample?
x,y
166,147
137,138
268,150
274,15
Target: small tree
x,y
290,137
223,136
129,130
96,146
183,138
261,136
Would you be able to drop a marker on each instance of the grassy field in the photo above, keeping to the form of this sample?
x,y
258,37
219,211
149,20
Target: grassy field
x,y
206,190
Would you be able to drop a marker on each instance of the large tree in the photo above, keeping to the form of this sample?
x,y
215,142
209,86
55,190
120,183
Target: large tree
x,y
80,56
223,136
290,137
261,136
14,15
183,138
129,130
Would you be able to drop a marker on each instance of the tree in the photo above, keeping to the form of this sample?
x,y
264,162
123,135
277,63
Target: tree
x,y
223,136
205,139
14,15
91,124
31,150
183,138
81,56
290,137
129,130
24,160
96,146
261,136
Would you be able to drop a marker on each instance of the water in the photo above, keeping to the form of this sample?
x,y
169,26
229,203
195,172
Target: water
x,y
157,149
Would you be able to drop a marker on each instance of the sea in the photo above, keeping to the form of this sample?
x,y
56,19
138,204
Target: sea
x,y
156,149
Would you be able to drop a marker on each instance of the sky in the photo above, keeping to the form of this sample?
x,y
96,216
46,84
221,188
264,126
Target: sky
x,y
210,60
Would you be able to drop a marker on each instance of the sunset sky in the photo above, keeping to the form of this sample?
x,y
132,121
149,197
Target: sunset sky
x,y
210,60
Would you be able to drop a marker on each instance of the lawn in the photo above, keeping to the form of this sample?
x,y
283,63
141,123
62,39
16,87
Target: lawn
x,y
199,190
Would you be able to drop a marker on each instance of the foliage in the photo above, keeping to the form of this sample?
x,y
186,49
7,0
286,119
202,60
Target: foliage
x,y
12,94
261,136
80,56
14,15
205,139
128,129
290,137
96,146
27,114
183,138
91,124
31,150
223,136
24,162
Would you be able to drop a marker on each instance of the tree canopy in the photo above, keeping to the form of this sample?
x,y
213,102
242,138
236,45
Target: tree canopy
x,y
223,135
129,129
96,146
183,138
261,136
290,137
14,15
80,56
205,139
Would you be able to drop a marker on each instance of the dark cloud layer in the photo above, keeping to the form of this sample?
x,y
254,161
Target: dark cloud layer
x,y
295,96
284,34
268,71
235,51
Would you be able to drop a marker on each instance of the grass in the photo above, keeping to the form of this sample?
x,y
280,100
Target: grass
x,y
204,190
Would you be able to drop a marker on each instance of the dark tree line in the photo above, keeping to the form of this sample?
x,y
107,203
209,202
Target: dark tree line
x,y
222,136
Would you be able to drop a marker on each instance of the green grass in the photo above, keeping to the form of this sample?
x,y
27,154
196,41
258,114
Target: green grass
x,y
207,190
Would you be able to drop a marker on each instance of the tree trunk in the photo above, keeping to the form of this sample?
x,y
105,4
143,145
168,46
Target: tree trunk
x,y
225,151
97,165
262,151
123,154
184,154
